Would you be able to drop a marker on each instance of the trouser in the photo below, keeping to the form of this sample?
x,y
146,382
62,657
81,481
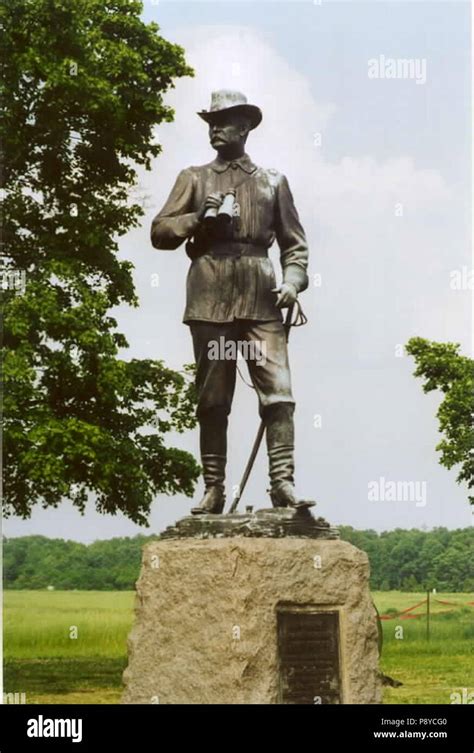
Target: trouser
x,y
264,347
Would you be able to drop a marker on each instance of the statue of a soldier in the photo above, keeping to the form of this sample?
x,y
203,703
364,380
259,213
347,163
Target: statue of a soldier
x,y
230,211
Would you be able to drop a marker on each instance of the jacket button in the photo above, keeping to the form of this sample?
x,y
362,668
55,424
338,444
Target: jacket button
x,y
234,165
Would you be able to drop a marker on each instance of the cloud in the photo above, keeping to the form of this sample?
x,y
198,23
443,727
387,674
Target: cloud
x,y
242,58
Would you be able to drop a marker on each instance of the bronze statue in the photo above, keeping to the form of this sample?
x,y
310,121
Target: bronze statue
x,y
229,212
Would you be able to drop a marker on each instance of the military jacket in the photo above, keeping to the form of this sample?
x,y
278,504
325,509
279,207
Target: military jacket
x,y
234,278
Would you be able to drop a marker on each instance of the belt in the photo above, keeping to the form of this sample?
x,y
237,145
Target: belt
x,y
236,249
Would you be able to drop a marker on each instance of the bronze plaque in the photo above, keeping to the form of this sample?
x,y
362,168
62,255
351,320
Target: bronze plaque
x,y
308,648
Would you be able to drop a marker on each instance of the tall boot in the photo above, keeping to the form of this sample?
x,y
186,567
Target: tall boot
x,y
280,447
280,435
213,500
213,442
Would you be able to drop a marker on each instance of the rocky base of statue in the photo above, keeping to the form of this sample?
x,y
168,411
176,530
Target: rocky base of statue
x,y
254,608
274,523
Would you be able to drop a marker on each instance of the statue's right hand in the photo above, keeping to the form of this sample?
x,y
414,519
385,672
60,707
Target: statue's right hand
x,y
213,200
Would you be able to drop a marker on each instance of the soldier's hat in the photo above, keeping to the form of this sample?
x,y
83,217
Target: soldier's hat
x,y
226,100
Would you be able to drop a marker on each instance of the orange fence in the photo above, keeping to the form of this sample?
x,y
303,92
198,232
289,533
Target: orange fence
x,y
405,614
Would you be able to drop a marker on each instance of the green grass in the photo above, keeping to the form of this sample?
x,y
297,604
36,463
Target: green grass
x,y
37,624
42,660
430,670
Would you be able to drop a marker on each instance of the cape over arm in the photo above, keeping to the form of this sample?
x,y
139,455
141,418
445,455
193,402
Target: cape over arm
x,y
175,221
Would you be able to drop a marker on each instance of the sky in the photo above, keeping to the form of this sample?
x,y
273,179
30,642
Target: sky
x,y
380,171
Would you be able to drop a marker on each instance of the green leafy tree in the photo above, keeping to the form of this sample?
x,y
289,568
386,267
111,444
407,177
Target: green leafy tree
x,y
412,560
444,369
82,89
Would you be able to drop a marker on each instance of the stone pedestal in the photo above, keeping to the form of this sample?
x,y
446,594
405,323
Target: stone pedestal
x,y
249,618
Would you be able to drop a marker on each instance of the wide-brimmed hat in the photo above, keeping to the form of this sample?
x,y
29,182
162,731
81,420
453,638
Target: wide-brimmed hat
x,y
226,100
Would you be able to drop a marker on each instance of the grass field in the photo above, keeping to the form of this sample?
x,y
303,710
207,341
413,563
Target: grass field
x,y
70,646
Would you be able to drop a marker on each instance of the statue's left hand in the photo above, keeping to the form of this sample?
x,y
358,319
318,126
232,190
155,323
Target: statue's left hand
x,y
287,295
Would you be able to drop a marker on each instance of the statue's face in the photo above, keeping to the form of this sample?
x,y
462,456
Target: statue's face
x,y
227,131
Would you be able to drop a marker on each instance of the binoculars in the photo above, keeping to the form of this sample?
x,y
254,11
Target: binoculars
x,y
222,215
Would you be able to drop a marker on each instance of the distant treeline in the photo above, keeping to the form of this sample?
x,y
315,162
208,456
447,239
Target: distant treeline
x,y
409,560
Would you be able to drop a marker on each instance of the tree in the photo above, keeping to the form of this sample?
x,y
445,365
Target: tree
x,y
83,86
410,560
445,369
